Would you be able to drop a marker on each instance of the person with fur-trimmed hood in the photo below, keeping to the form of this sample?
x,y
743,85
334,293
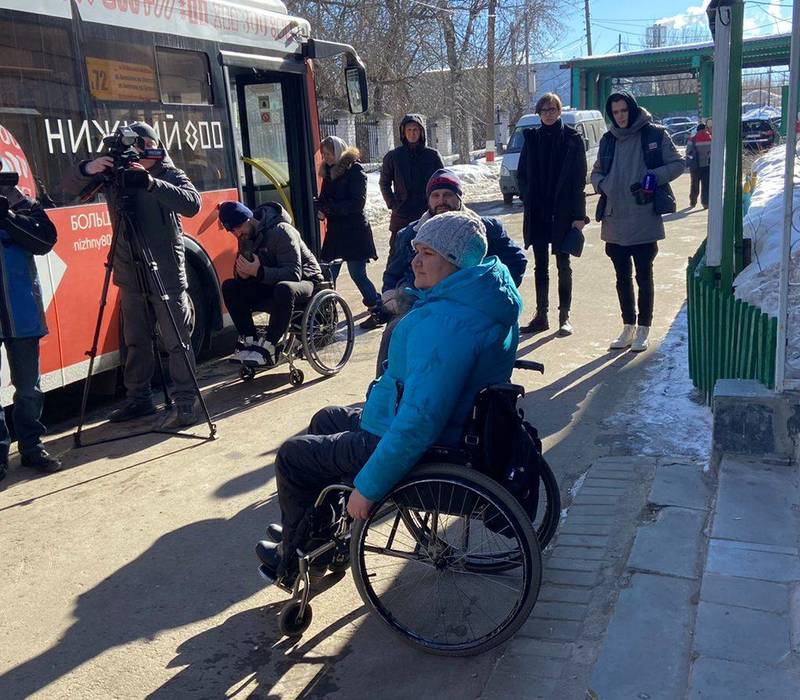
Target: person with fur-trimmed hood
x,y
348,235
405,173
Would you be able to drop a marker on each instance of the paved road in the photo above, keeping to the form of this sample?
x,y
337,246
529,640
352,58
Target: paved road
x,y
132,572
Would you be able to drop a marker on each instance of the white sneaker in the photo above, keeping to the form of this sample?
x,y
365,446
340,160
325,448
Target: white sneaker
x,y
262,353
242,347
639,343
625,338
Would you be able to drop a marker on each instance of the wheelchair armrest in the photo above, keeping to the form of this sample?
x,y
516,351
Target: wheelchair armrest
x,y
330,263
441,453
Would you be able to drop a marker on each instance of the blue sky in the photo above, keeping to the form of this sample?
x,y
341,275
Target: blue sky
x,y
609,18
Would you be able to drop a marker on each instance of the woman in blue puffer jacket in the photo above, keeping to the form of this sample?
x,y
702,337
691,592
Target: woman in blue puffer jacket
x,y
460,336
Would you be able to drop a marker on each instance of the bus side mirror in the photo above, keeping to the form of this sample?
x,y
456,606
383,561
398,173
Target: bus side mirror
x,y
355,78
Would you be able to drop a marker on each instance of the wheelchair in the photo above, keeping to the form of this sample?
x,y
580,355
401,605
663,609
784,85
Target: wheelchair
x,y
321,332
449,559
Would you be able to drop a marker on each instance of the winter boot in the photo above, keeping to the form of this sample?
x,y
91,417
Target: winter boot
x,y
377,317
640,343
538,324
625,338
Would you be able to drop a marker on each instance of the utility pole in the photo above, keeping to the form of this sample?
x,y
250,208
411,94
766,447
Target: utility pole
x,y
588,27
490,85
528,94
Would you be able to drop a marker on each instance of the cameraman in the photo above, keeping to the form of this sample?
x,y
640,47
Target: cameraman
x,y
158,201
25,231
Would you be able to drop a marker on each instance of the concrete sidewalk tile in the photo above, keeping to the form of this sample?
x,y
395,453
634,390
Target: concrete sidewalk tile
x,y
555,562
741,634
541,628
572,528
584,540
578,509
527,646
510,684
715,679
745,593
646,649
755,503
581,518
560,611
564,594
593,499
601,480
563,551
618,474
570,578
725,558
671,545
680,485
758,547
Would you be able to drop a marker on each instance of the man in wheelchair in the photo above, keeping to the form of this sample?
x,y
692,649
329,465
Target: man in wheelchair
x,y
460,336
274,271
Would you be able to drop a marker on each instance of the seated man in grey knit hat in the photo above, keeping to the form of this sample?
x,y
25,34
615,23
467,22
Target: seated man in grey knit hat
x,y
460,335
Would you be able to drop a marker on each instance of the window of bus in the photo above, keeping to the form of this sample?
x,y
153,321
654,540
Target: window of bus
x,y
146,83
38,95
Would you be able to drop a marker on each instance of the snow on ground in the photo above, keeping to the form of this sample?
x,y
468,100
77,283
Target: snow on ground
x,y
667,415
758,282
474,179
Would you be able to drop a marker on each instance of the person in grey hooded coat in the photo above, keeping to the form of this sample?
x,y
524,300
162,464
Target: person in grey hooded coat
x,y
630,225
157,208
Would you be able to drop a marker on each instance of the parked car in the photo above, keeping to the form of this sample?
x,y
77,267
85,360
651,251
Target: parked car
x,y
760,134
588,122
680,138
678,124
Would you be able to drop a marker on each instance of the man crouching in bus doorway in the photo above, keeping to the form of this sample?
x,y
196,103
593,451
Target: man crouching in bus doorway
x,y
157,208
25,231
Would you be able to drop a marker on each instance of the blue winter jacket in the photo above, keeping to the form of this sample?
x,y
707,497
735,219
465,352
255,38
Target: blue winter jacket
x,y
24,232
398,268
460,336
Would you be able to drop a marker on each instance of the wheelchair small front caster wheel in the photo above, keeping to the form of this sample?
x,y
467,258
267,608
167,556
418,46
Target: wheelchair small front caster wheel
x,y
290,623
247,373
340,564
296,377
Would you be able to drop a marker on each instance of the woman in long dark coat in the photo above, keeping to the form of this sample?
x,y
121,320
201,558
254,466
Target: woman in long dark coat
x,y
552,178
348,234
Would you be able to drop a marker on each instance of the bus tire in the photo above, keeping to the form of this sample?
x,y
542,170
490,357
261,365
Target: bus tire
x,y
201,329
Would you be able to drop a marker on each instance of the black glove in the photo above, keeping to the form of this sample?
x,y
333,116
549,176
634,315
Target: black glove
x,y
3,208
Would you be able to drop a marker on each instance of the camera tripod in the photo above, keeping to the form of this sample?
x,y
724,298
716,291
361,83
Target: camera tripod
x,y
150,286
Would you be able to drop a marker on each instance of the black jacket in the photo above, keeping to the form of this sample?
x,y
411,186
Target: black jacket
x,y
342,199
405,173
569,199
280,249
158,214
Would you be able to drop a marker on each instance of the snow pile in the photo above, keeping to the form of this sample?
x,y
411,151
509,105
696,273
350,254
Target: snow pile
x,y
475,179
758,283
666,416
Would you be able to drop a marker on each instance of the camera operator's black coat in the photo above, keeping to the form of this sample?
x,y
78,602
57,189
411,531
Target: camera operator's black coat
x,y
157,213
342,199
551,207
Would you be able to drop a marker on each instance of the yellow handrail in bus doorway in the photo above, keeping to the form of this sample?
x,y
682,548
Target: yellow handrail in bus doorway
x,y
273,178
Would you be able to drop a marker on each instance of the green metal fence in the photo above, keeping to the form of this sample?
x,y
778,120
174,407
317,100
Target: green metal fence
x,y
728,338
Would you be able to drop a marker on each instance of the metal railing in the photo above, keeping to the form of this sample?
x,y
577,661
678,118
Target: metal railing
x,y
728,338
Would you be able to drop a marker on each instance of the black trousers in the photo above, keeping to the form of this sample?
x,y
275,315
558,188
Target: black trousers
x,y
698,177
625,257
541,276
243,296
333,449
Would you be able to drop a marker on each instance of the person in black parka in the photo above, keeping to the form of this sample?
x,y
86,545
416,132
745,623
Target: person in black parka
x,y
552,177
348,233
405,173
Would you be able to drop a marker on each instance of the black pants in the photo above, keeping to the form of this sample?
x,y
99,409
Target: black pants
x,y
625,257
243,296
396,223
334,449
541,276
698,177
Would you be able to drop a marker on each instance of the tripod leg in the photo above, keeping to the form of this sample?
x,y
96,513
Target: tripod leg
x,y
162,374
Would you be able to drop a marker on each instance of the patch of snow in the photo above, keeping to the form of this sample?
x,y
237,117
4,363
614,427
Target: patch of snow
x,y
663,415
758,283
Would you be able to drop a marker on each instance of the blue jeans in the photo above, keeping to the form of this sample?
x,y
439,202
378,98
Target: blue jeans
x,y
358,273
23,360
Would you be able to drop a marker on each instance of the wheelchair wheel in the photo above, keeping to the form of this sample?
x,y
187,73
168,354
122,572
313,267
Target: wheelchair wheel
x,y
548,514
290,623
419,580
327,333
247,373
296,377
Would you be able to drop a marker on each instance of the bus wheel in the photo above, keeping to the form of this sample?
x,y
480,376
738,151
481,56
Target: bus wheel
x,y
199,308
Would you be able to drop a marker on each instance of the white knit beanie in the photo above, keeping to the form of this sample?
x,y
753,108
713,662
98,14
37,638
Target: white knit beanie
x,y
460,238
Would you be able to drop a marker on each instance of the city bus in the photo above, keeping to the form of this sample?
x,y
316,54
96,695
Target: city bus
x,y
228,86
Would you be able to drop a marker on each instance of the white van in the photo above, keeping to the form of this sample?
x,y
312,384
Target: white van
x,y
589,123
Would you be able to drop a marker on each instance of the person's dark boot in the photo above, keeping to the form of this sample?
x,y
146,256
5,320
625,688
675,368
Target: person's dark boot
x,y
377,318
41,460
3,470
185,415
564,326
274,532
538,324
135,408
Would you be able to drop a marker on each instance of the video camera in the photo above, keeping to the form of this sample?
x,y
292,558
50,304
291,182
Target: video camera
x,y
120,146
